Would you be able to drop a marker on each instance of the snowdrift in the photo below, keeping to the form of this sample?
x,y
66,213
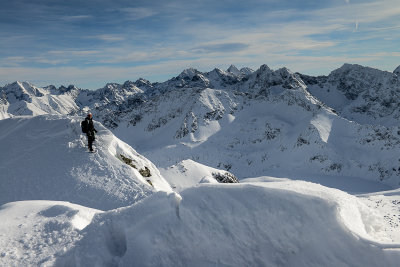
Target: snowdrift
x,y
35,233
254,224
46,158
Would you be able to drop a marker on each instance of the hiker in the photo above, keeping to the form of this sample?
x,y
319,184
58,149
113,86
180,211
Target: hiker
x,y
90,130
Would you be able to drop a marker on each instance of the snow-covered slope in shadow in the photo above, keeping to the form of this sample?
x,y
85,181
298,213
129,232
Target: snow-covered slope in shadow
x,y
253,224
45,157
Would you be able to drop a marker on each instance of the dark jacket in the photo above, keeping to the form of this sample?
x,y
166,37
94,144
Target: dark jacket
x,y
91,129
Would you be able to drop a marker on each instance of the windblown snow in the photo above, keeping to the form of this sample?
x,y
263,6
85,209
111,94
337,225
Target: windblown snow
x,y
251,168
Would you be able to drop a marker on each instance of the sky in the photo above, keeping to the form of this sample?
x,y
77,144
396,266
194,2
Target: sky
x,y
93,42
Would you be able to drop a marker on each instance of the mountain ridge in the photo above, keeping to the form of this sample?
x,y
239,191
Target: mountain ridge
x,y
285,118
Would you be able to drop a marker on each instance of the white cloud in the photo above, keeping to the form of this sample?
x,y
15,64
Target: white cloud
x,y
108,37
138,13
75,18
73,52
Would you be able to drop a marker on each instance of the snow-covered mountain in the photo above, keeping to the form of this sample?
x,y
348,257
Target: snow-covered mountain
x,y
23,98
254,122
362,94
267,123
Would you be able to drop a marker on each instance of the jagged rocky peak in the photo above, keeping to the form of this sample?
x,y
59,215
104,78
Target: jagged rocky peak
x,y
264,78
115,92
293,80
125,88
240,73
23,86
143,83
264,68
235,71
246,71
128,84
51,88
397,71
356,71
17,91
219,71
221,79
62,89
353,79
188,74
188,78
263,73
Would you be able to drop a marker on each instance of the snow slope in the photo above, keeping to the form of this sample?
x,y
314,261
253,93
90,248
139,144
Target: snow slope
x,y
189,173
252,224
45,157
35,233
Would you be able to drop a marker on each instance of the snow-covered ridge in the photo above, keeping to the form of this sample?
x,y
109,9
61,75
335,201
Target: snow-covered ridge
x,y
281,117
358,93
47,158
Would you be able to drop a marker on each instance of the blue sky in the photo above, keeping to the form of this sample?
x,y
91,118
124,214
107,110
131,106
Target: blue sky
x,y
89,43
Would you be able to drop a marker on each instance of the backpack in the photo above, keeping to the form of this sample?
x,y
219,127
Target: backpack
x,y
84,126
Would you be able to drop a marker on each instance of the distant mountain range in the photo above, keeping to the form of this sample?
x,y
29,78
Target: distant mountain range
x,y
249,122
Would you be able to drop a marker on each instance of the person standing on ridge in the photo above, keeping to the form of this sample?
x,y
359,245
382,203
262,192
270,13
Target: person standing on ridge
x,y
90,130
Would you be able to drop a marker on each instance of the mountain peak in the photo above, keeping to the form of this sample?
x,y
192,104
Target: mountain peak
x,y
397,71
264,68
232,69
18,84
347,68
22,90
189,73
246,71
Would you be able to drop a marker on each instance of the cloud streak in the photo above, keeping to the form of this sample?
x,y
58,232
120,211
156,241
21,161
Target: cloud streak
x,y
220,48
138,13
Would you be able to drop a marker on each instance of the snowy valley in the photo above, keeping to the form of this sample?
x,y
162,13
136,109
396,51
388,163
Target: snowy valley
x,y
220,168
